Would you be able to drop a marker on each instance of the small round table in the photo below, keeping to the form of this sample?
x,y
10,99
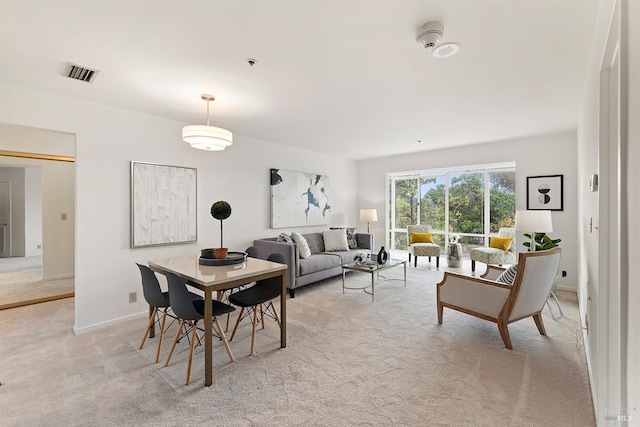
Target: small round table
x,y
454,255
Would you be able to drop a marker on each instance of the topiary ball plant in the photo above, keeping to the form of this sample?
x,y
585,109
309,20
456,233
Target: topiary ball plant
x,y
221,210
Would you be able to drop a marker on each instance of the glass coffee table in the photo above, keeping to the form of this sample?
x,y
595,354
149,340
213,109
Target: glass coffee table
x,y
374,269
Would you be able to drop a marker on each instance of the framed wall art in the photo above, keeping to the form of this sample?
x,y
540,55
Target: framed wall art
x,y
163,205
545,192
299,199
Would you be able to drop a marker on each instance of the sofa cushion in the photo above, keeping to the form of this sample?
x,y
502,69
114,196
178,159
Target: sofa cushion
x,y
335,240
318,262
352,241
344,256
301,243
315,242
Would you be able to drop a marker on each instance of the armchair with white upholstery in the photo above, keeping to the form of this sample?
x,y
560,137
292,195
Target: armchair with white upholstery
x,y
495,254
499,302
420,243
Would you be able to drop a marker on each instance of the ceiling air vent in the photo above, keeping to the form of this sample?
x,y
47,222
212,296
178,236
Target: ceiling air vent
x,y
78,72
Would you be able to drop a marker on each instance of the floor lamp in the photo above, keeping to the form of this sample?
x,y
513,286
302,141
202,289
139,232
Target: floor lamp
x,y
537,222
368,216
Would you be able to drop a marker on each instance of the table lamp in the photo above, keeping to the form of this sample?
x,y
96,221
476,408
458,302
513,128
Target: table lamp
x,y
368,215
534,222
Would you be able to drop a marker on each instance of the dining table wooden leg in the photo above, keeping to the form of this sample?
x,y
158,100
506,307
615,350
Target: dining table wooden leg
x,y
283,311
208,338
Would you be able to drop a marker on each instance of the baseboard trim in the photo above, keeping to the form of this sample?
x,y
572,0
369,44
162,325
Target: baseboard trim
x,y
95,326
36,300
64,276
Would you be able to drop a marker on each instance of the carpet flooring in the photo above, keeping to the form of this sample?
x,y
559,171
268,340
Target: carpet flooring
x,y
21,283
349,362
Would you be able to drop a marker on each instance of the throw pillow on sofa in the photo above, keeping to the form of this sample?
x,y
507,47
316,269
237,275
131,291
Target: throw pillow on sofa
x,y
335,240
282,237
301,243
351,236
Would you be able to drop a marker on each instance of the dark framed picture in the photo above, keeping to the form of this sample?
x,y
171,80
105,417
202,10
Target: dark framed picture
x,y
545,193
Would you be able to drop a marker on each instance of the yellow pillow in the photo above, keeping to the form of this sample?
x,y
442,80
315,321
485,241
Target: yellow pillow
x,y
500,242
420,238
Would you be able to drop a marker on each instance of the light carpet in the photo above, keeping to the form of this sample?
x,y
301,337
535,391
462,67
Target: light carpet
x,y
21,283
349,362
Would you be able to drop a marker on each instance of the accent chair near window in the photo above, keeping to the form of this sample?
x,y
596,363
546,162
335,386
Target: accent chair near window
x,y
420,241
501,250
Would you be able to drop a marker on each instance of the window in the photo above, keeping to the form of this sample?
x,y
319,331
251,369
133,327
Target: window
x,y
473,202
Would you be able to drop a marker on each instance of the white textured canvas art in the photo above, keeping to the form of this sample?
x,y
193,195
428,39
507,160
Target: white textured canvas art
x,y
299,199
163,205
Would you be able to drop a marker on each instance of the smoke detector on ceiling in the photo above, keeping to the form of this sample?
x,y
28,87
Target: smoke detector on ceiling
x,y
429,33
445,50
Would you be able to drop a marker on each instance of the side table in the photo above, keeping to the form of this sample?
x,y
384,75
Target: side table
x,y
454,255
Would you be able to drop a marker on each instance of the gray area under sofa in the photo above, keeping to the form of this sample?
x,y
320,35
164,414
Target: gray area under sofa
x,y
320,265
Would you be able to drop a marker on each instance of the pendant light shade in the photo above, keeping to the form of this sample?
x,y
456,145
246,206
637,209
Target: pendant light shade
x,y
207,137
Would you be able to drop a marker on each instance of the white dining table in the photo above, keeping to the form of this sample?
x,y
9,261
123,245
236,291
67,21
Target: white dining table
x,y
211,279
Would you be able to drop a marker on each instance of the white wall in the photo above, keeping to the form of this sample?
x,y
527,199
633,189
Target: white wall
x,y
541,155
107,139
631,27
33,210
58,238
15,178
614,374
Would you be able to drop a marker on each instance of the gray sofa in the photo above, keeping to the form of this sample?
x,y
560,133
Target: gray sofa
x,y
320,265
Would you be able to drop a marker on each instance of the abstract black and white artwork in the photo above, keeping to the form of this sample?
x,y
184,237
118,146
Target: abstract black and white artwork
x,y
299,199
545,193
163,205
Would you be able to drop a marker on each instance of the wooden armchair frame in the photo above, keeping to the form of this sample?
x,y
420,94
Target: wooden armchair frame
x,y
498,302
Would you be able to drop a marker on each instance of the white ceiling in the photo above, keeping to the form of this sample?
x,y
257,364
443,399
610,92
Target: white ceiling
x,y
332,76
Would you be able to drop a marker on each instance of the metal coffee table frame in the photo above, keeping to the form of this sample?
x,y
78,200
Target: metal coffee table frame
x,y
353,266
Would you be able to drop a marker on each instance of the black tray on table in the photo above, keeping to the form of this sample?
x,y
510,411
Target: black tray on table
x,y
208,258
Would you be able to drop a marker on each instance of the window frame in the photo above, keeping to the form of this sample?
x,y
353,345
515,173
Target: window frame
x,y
390,208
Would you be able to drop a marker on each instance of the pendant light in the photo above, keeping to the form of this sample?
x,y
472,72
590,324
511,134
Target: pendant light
x,y
207,137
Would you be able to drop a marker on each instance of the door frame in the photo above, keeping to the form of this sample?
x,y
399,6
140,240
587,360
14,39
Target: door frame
x,y
7,235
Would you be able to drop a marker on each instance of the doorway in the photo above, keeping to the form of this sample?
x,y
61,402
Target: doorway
x,y
39,264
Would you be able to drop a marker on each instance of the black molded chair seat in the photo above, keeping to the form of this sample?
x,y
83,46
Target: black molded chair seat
x,y
264,291
252,252
189,311
218,309
256,294
158,301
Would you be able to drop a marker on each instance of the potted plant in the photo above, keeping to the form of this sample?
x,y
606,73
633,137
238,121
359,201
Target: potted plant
x,y
221,210
543,242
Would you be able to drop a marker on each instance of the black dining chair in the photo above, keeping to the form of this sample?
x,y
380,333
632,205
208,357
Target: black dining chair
x,y
252,252
189,311
158,300
258,299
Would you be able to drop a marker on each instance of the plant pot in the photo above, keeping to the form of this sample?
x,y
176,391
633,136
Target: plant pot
x,y
221,253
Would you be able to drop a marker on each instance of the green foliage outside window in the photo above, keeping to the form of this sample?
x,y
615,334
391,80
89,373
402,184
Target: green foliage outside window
x,y
424,198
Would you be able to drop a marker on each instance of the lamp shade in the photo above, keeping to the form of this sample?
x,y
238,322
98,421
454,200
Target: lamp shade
x,y
534,221
207,137
368,215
